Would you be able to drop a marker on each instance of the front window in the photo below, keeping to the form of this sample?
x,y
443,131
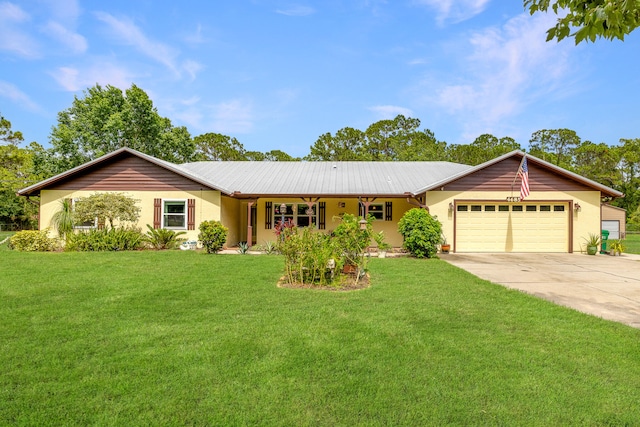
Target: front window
x,y
300,213
377,211
85,225
174,214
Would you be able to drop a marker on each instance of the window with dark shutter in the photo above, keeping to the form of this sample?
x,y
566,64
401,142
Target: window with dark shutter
x,y
388,211
157,213
322,215
268,209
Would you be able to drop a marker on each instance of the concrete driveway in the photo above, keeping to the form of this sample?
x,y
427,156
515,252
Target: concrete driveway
x,y
602,285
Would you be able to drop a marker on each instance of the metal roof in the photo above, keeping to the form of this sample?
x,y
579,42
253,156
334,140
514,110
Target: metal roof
x,y
252,179
323,178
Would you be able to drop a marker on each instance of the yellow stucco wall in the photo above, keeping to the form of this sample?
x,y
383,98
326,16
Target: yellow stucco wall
x,y
333,210
231,218
208,205
585,221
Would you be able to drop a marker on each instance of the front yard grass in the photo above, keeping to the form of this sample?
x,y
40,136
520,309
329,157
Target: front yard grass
x,y
182,338
632,243
4,235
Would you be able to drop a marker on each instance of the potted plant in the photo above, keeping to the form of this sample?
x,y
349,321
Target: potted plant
x,y
383,246
616,247
592,243
444,246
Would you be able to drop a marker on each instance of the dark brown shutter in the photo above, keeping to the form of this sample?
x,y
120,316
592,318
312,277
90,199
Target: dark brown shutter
x,y
191,214
100,223
268,206
388,211
322,215
360,209
157,213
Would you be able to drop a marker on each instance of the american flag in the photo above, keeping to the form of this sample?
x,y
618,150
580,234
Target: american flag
x,y
523,172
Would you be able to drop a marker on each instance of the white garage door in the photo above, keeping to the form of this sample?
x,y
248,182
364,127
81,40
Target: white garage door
x,y
613,227
496,227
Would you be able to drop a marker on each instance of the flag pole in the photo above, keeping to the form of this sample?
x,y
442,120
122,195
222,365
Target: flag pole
x,y
517,171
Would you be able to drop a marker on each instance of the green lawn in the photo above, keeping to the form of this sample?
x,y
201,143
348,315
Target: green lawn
x,y
182,338
632,243
4,235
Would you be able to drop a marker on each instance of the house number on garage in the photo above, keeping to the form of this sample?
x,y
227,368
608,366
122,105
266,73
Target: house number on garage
x,y
513,199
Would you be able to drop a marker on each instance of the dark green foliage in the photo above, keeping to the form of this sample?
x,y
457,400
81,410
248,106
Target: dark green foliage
x,y
213,236
112,239
105,119
421,233
32,241
16,172
161,238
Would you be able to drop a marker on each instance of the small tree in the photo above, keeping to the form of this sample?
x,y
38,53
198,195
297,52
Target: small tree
x,y
352,241
213,235
107,207
63,219
421,232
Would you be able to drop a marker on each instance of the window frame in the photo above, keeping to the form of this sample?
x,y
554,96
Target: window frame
x,y
83,226
293,214
378,212
184,214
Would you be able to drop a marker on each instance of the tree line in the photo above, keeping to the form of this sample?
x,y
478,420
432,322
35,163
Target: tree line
x,y
107,118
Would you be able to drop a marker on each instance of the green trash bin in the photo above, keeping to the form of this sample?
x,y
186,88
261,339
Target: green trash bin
x,y
605,237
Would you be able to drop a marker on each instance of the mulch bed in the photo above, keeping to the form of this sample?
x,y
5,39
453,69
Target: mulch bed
x,y
346,282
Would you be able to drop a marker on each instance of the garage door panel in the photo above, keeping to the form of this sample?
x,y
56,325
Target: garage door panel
x,y
541,230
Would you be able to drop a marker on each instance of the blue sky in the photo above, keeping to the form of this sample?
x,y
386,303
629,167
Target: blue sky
x,y
276,74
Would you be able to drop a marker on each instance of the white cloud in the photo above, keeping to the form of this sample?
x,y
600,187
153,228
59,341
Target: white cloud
x,y
12,37
297,10
11,92
504,71
130,34
384,112
228,117
455,10
192,68
101,72
234,116
74,41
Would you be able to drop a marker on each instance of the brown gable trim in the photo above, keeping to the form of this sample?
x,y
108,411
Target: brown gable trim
x,y
126,173
501,176
532,161
105,160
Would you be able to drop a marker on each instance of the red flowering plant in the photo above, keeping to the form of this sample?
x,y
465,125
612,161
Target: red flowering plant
x,y
285,228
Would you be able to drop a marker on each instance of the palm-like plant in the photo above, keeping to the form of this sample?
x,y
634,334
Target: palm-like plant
x,y
161,238
63,220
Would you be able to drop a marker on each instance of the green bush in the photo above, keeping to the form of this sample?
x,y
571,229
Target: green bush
x,y
213,236
32,241
112,239
421,233
307,256
161,238
352,241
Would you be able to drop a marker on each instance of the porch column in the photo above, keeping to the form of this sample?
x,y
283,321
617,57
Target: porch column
x,y
249,227
365,203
